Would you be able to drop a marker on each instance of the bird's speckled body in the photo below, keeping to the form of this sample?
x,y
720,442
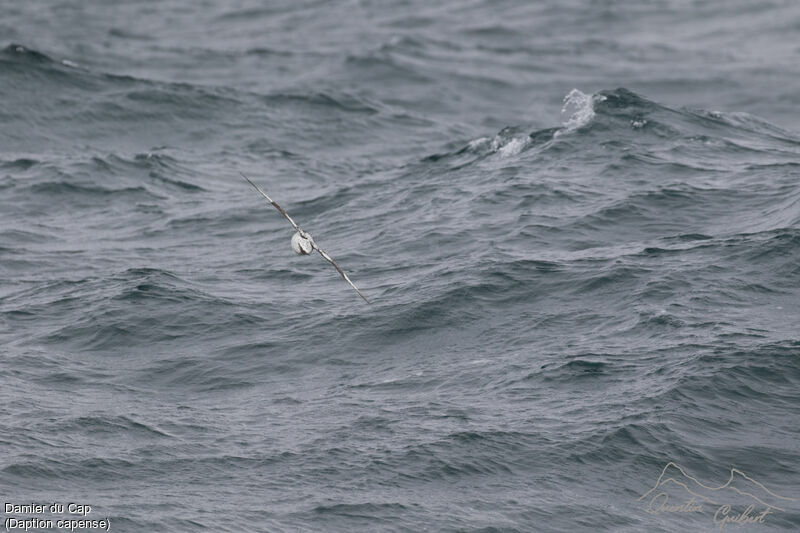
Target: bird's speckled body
x,y
302,244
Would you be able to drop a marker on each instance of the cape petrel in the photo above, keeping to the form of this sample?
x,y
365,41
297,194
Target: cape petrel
x,y
302,242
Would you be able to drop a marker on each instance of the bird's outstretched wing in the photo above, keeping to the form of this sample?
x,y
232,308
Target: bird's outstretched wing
x,y
331,261
304,234
270,200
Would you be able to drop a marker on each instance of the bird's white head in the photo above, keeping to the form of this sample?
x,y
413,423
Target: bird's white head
x,y
301,244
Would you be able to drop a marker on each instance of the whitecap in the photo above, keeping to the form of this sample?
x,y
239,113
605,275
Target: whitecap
x,y
577,111
513,147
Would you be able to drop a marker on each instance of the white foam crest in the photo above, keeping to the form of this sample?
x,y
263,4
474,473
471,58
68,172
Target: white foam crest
x,y
501,144
513,147
577,111
478,143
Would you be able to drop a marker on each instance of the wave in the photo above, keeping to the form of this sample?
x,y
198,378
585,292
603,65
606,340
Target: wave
x,y
137,307
83,104
618,145
621,118
21,54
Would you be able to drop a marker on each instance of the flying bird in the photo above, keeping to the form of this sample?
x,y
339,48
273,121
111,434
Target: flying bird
x,y
302,243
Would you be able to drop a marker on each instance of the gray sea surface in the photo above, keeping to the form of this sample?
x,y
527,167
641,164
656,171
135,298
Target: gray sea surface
x,y
577,222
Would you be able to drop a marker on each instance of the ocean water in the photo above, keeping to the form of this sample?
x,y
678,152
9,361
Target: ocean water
x,y
578,224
